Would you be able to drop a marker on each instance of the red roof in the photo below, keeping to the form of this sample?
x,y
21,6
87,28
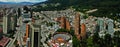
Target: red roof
x,y
4,41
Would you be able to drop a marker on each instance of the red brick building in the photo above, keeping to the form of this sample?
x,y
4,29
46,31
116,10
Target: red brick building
x,y
83,31
4,41
77,24
68,26
64,23
80,30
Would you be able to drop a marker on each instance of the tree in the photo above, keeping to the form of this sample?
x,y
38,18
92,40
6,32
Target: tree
x,y
108,40
90,42
62,30
76,42
116,39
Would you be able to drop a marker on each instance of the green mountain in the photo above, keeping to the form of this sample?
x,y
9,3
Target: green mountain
x,y
106,8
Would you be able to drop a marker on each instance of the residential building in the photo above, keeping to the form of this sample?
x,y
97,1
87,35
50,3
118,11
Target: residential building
x,y
77,25
64,23
83,31
110,26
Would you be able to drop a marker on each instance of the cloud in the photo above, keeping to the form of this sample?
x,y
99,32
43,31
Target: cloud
x,y
22,0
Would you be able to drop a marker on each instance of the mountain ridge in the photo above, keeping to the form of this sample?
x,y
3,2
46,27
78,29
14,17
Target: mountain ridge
x,y
22,3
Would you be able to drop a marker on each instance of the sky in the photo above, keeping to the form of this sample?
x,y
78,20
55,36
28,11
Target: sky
x,y
22,0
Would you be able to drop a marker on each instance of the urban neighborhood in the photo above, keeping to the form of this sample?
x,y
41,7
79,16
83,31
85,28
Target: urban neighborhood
x,y
45,25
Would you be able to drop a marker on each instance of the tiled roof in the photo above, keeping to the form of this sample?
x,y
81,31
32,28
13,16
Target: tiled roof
x,y
4,41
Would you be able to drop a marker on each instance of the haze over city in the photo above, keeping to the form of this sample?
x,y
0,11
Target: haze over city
x,y
22,0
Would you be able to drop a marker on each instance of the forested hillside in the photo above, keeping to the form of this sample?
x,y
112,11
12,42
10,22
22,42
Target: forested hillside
x,y
106,8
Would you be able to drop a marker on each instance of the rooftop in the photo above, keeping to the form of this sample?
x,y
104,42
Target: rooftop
x,y
4,41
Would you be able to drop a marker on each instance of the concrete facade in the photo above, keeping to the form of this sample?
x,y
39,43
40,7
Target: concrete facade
x,y
34,29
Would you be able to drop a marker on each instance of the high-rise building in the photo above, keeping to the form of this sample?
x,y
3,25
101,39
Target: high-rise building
x,y
1,19
68,26
13,22
34,35
19,12
101,31
97,28
64,23
77,24
110,26
100,22
1,31
83,31
4,23
9,21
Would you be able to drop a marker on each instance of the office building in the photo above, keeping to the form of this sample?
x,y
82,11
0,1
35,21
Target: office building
x,y
34,35
9,22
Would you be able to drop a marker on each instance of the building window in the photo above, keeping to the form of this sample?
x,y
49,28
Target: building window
x,y
35,39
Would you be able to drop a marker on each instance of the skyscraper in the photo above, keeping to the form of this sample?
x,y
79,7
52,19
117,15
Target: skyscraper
x,y
83,31
100,23
77,24
68,26
34,35
64,23
9,21
110,26
77,28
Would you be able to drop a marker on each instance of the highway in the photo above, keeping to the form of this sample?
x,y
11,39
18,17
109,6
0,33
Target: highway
x,y
19,34
21,30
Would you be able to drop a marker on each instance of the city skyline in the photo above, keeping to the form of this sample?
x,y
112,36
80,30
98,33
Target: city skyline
x,y
59,23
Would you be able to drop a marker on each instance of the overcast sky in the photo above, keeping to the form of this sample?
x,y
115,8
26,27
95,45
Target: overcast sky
x,y
22,0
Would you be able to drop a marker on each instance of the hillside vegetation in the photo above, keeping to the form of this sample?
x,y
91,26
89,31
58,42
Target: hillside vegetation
x,y
106,8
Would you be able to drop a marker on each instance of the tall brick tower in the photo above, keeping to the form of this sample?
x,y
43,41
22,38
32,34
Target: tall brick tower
x,y
63,22
83,31
77,24
68,26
